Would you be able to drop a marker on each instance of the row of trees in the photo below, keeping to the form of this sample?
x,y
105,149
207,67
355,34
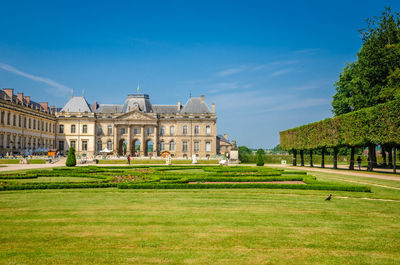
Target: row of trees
x,y
366,104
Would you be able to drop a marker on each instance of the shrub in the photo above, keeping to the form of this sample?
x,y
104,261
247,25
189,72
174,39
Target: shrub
x,y
71,159
260,159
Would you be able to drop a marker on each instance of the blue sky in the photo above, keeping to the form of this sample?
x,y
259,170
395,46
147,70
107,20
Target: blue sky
x,y
267,65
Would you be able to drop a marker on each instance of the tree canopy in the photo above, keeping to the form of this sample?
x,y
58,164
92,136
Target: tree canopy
x,y
375,77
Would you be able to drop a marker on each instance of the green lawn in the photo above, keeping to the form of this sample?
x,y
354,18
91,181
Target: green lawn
x,y
241,226
155,161
16,161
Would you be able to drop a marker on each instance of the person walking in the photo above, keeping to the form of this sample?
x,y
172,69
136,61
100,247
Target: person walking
x,y
359,162
129,159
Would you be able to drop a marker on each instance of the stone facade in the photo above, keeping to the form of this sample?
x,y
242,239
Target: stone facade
x,y
136,127
25,125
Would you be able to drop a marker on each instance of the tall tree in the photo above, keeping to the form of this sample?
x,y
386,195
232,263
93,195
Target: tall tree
x,y
375,77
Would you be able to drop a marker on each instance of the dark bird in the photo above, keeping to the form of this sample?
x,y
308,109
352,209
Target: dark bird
x,y
329,197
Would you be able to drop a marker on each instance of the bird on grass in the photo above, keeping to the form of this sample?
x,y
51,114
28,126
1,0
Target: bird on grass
x,y
329,197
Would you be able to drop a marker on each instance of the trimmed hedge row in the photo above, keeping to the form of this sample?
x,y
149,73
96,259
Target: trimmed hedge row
x,y
377,124
15,176
41,186
246,186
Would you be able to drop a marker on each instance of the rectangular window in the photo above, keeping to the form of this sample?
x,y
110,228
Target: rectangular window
x,y
123,130
109,145
84,145
162,130
196,129
208,129
162,146
84,128
61,129
99,130
34,124
109,130
14,120
136,130
208,147
149,130
61,145
73,128
196,146
185,130
29,123
171,130
184,146
19,120
73,144
2,117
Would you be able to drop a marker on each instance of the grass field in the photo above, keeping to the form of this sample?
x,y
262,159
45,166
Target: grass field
x,y
215,226
156,161
16,161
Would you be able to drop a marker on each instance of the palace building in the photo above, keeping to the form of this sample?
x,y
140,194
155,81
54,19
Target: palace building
x,y
135,127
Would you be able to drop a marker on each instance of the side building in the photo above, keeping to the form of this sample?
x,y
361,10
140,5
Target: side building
x,y
26,127
138,128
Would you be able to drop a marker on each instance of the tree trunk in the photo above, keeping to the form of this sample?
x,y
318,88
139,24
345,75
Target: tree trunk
x,y
390,156
371,150
323,157
352,151
294,157
302,158
394,159
374,162
335,153
383,153
311,161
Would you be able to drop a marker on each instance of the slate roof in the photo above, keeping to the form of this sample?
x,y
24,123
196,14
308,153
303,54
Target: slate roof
x,y
222,138
195,105
109,108
77,104
165,109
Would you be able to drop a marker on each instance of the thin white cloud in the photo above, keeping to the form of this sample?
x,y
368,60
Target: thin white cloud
x,y
280,72
232,71
52,83
270,65
300,104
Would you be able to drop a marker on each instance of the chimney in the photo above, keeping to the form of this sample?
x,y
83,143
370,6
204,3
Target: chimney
x,y
52,107
9,92
20,97
179,105
27,99
44,105
95,105
225,136
202,98
213,108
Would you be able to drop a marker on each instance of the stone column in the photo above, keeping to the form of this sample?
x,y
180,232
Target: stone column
x,y
155,143
115,139
142,140
129,141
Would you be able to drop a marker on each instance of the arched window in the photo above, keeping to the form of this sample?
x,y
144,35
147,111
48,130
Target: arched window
x,y
172,146
172,130
185,129
162,146
99,145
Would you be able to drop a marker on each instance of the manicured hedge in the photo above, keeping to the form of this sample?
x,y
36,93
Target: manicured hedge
x,y
16,176
378,124
41,186
246,186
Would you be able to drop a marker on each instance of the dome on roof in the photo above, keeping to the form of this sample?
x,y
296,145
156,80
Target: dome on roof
x,y
140,101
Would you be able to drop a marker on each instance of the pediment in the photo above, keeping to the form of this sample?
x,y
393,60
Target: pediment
x,y
136,115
